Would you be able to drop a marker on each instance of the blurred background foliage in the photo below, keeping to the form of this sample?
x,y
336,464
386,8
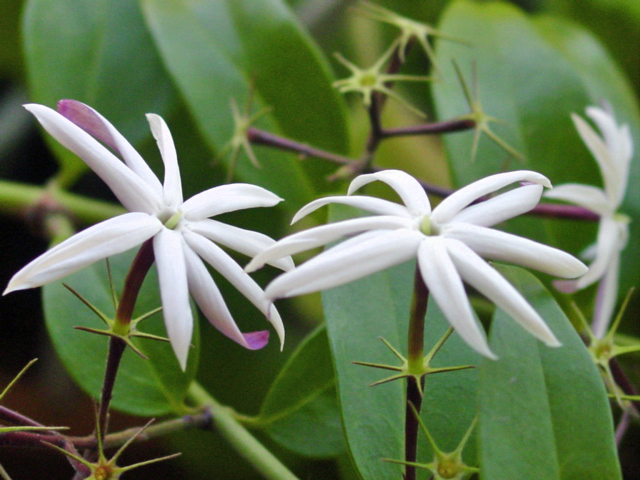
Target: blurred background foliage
x,y
185,60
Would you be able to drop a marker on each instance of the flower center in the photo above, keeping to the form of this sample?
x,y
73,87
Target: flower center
x,y
428,226
173,220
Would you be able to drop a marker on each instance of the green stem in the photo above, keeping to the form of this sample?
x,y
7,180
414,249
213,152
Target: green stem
x,y
18,199
239,437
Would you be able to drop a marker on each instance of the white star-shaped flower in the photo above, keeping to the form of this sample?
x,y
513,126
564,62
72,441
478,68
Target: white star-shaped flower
x,y
612,151
183,234
449,243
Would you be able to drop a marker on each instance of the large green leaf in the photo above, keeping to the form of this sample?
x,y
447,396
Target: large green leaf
x,y
98,52
152,387
532,74
373,417
544,412
211,71
300,411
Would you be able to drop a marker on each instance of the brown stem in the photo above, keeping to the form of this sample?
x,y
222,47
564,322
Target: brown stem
x,y
261,137
415,354
437,128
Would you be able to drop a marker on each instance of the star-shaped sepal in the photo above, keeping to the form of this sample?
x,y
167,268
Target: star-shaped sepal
x,y
115,328
374,79
445,465
409,30
106,469
242,122
480,118
604,349
418,369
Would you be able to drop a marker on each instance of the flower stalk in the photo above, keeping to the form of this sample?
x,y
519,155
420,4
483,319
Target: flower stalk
x,y
415,360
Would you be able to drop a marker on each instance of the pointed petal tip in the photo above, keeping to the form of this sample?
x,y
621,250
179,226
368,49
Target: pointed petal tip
x,y
256,340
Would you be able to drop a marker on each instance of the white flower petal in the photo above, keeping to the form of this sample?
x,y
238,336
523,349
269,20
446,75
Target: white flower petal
x,y
168,247
454,203
132,191
99,127
601,153
586,196
484,278
227,198
606,298
607,246
502,207
172,182
370,204
497,245
228,268
105,239
324,234
208,297
446,288
338,266
247,242
407,187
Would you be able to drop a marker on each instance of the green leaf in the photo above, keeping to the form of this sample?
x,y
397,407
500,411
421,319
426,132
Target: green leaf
x,y
152,387
532,74
544,412
97,52
373,417
297,84
300,411
208,78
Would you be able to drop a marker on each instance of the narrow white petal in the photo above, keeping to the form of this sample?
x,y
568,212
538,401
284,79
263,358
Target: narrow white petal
x,y
324,234
502,207
484,278
99,127
370,204
601,153
446,288
172,182
168,248
228,268
227,198
586,196
338,266
407,187
607,246
606,298
132,191
454,203
208,297
247,242
497,245
103,240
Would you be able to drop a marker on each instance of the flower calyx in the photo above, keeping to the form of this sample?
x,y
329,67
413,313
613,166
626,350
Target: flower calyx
x,y
374,79
409,30
242,122
480,118
445,465
409,368
106,469
124,330
604,349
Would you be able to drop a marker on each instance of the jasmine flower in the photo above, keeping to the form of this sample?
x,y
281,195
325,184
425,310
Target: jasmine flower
x,y
183,234
449,243
612,151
